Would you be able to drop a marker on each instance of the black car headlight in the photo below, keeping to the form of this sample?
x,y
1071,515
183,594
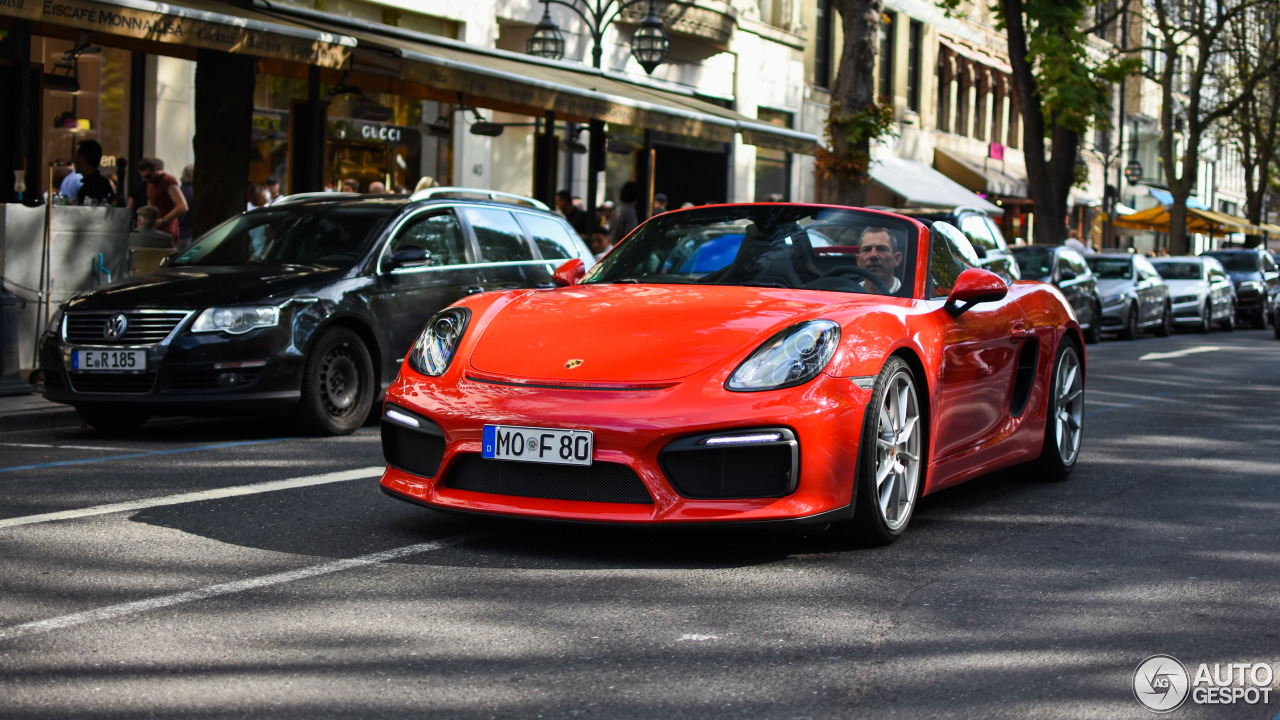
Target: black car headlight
x,y
435,347
792,357
237,319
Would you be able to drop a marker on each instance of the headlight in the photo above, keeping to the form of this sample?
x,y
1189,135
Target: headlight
x,y
236,320
1112,299
435,347
1250,286
792,357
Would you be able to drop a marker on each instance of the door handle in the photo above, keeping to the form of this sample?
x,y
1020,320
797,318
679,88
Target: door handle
x,y
1019,331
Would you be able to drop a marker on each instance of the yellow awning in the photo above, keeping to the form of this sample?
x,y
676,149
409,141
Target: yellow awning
x,y
1198,220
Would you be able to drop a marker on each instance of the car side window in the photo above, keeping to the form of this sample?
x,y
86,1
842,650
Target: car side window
x,y
498,235
553,239
1268,265
976,229
439,234
949,255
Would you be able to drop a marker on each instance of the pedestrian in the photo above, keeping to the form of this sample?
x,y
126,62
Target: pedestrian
x,y
624,217
69,187
94,188
273,189
377,188
145,234
257,196
426,182
164,194
606,214
186,184
659,204
351,185
599,242
577,218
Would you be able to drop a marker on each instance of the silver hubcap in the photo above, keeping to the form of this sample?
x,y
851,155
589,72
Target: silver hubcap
x,y
897,465
1068,406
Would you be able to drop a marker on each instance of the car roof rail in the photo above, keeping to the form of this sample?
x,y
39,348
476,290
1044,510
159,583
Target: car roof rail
x,y
465,193
327,195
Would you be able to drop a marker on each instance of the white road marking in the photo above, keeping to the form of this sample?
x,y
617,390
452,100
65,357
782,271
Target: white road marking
x,y
217,493
1180,353
64,447
141,606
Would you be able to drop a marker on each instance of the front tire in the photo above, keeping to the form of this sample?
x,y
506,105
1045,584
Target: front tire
x,y
1206,320
337,385
1093,335
890,465
1229,322
1064,416
1130,329
1165,328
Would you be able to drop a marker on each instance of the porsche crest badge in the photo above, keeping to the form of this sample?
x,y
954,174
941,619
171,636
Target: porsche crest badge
x,y
572,364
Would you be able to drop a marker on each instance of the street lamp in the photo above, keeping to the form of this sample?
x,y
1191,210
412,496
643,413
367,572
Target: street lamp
x,y
649,43
1133,172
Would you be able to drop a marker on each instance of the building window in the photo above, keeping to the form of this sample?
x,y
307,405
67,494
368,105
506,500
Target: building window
x,y
773,167
822,51
915,59
887,31
945,75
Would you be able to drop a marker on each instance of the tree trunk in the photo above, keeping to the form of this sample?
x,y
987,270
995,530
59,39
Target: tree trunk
x,y
224,123
854,92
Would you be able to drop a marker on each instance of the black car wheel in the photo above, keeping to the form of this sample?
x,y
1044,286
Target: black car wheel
x,y
337,385
1165,328
1064,417
1094,333
1259,321
1130,329
1206,320
111,418
1229,322
890,457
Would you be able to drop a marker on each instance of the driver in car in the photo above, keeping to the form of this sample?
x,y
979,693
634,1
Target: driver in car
x,y
878,254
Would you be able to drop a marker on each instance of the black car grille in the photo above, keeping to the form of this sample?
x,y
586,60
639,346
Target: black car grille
x,y
112,382
145,327
701,472
208,379
414,450
603,482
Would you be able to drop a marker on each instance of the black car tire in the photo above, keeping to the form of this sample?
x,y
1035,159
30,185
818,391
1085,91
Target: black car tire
x,y
1094,334
870,526
113,418
1260,320
1206,319
1165,328
1229,322
337,385
1064,417
1130,329
1276,324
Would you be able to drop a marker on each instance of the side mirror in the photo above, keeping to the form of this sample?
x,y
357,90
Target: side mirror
x,y
977,248
974,286
1068,274
407,257
568,274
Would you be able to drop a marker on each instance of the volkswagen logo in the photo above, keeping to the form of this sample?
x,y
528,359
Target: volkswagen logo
x,y
115,326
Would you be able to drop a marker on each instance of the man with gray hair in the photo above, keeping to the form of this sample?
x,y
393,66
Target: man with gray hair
x,y
878,254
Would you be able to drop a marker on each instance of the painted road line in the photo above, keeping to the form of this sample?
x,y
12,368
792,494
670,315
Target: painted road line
x,y
215,494
63,447
1180,353
140,606
149,453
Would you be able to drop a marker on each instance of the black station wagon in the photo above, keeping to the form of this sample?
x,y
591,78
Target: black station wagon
x,y
306,306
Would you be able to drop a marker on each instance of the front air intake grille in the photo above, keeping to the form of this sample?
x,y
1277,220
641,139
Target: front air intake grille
x,y
208,379
757,470
143,327
414,450
112,382
603,482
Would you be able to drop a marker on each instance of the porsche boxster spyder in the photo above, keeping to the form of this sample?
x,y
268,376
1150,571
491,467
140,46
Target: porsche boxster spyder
x,y
741,363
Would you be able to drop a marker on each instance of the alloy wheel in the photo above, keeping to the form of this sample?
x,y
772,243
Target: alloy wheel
x,y
1068,406
897,453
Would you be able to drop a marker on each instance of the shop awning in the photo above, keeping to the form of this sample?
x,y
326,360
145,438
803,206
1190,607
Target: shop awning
x,y
920,185
570,90
1198,220
195,23
992,177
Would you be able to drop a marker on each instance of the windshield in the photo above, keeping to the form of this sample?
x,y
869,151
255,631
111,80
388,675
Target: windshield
x,y
791,246
310,234
1238,261
1035,263
1111,268
1178,270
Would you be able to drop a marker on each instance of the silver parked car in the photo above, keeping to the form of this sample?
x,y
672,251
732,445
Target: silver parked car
x,y
1134,296
1202,292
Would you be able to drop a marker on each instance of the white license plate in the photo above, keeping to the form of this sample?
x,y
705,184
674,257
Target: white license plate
x,y
540,445
109,360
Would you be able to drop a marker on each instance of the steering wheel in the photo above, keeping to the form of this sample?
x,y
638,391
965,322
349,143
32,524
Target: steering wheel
x,y
861,272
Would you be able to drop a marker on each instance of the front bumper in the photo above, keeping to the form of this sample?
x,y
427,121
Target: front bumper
x,y
632,429
1188,311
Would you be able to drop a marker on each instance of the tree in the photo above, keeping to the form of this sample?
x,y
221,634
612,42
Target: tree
x,y
855,118
1255,129
1195,39
1061,94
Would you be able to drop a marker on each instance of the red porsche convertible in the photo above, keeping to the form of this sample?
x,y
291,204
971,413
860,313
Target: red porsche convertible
x,y
741,363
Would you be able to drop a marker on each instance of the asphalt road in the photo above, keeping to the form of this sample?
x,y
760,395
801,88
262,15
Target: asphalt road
x,y
171,573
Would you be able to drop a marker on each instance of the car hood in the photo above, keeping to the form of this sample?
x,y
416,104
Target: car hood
x,y
636,333
1240,276
1114,286
1187,287
190,287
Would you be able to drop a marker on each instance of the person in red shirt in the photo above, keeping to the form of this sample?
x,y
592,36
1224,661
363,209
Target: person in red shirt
x,y
163,193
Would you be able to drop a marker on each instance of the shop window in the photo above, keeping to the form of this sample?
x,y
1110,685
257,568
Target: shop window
x,y
498,235
773,167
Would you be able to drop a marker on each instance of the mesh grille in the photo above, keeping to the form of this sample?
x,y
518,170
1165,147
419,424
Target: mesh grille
x,y
599,482
112,382
145,328
410,450
745,472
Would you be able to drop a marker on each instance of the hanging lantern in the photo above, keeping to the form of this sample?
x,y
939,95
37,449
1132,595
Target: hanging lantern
x,y
546,41
649,44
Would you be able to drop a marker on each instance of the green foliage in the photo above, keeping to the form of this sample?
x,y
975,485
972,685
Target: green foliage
x,y
850,134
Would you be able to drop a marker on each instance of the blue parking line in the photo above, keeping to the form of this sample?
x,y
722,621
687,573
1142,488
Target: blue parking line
x,y
131,456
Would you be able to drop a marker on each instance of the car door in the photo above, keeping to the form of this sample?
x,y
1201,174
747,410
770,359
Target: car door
x,y
506,255
1221,290
409,291
1270,278
1151,290
1072,278
980,352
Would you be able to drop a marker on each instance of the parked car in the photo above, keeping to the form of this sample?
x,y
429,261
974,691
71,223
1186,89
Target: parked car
x,y
1134,297
304,306
983,233
1066,269
778,386
1201,291
1257,281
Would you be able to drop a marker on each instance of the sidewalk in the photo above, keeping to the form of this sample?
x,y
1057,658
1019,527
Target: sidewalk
x,y
31,411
